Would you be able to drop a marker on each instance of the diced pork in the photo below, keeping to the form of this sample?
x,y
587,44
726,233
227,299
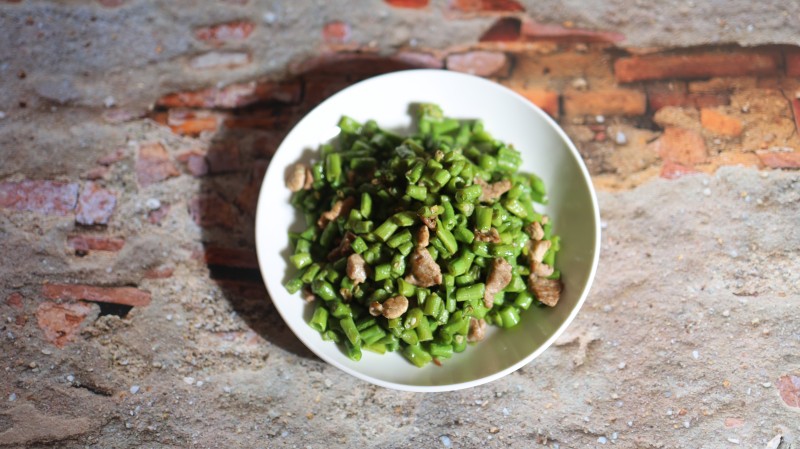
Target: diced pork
x,y
548,291
535,230
491,236
498,279
395,307
356,268
340,208
477,330
538,250
423,237
493,191
424,270
296,177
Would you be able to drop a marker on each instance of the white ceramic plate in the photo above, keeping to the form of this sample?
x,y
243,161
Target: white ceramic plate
x,y
546,151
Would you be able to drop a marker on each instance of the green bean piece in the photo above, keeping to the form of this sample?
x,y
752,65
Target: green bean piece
x,y
470,292
443,351
301,260
352,350
409,336
463,235
433,305
358,245
398,239
382,271
413,317
468,194
386,229
319,321
416,355
366,205
448,218
340,310
462,264
404,218
523,300
405,248
417,192
310,273
323,289
509,315
294,285
446,237
459,343
350,330
331,335
372,334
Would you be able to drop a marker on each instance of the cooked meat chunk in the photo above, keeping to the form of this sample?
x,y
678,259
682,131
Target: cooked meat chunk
x,y
343,248
424,270
491,236
340,208
375,308
423,237
356,268
538,250
535,230
477,330
498,278
493,191
309,179
542,269
296,177
548,291
429,222
395,307
308,296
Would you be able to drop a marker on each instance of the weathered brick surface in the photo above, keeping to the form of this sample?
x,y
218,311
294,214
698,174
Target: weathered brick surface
x,y
220,34
95,205
502,6
336,32
658,100
789,390
623,102
160,272
481,63
15,301
223,157
195,162
190,122
793,62
234,95
535,31
83,243
44,197
220,60
720,123
695,65
154,164
231,257
128,296
681,146
412,4
209,210
545,99
779,159
506,29
60,323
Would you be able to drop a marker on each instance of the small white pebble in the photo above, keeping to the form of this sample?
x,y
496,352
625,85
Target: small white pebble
x,y
614,436
603,224
199,383
602,440
134,389
109,101
227,389
285,433
687,424
2,115
47,352
630,423
599,119
12,397
506,412
621,138
622,365
766,384
446,441
733,440
270,17
70,378
188,380
750,28
695,354
707,191
152,203
328,383
669,412
607,308
169,317
726,313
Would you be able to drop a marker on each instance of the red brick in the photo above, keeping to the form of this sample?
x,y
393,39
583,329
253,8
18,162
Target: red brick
x,y
44,197
220,34
231,257
672,170
234,95
247,199
158,215
61,322
336,32
534,31
793,62
113,157
626,102
153,164
85,243
732,422
192,122
796,113
658,100
486,6
681,146
696,65
789,389
223,157
779,159
195,162
720,123
159,272
480,63
128,296
263,121
220,60
545,99
413,4
209,210
95,205
15,300
507,29
96,173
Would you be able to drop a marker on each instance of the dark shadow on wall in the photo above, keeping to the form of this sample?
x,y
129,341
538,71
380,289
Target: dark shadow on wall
x,y
236,160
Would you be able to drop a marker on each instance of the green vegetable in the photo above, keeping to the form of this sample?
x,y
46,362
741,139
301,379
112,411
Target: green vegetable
x,y
374,194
